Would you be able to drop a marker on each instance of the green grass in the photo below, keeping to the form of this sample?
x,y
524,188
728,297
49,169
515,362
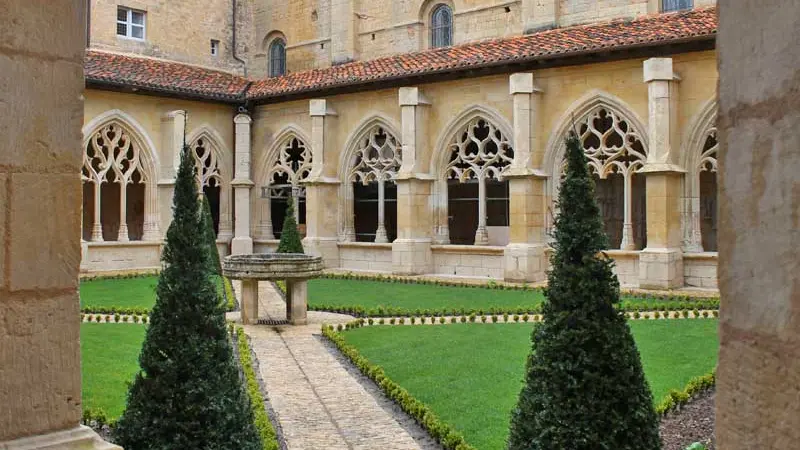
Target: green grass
x,y
138,292
470,375
109,361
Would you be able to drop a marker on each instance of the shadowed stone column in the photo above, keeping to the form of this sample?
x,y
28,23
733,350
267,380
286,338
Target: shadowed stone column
x,y
41,113
242,243
322,192
661,262
249,301
411,251
758,378
525,259
173,131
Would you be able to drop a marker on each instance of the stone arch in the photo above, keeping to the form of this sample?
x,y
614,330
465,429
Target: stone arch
x,y
698,156
347,161
614,109
441,159
146,156
265,165
219,155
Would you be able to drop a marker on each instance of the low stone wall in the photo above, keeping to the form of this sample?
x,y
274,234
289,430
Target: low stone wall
x,y
626,266
120,256
468,261
365,256
700,270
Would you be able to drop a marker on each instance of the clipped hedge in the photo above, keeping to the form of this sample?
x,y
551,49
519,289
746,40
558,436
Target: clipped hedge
x,y
230,298
443,433
124,276
677,399
114,310
260,418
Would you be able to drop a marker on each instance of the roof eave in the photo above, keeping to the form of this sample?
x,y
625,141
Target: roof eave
x,y
134,88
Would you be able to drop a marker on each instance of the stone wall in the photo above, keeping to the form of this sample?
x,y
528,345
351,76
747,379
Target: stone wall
x,y
758,378
468,261
365,256
700,270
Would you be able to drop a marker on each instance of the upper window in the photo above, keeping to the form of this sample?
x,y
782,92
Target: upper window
x,y
214,47
442,27
130,23
675,5
277,58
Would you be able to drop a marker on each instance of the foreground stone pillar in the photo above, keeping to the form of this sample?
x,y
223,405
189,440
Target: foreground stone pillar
x,y
242,243
758,377
411,251
322,192
41,83
249,304
297,301
525,259
661,262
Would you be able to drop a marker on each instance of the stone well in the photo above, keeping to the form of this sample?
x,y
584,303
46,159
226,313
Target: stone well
x,y
293,268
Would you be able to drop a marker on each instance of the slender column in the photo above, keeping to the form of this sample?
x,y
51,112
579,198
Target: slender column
x,y
380,234
97,225
122,235
264,227
692,236
661,263
349,213
524,256
442,236
628,242
322,191
481,236
242,243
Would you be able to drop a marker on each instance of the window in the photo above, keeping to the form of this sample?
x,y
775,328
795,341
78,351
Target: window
x,y
675,5
289,170
214,47
130,23
442,27
277,58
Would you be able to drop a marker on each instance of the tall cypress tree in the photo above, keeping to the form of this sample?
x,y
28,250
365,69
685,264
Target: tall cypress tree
x,y
188,393
210,238
290,238
584,384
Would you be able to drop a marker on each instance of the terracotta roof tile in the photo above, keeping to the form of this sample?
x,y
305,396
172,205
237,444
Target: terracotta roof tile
x,y
163,76
658,29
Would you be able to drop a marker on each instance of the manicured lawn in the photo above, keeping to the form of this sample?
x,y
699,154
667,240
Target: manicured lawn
x,y
109,361
138,292
471,374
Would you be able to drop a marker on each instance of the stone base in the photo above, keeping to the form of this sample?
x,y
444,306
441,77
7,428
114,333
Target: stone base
x,y
412,257
249,302
661,268
297,302
79,438
242,245
525,263
326,248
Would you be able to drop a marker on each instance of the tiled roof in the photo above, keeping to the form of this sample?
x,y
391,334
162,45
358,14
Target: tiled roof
x,y
191,81
652,30
163,76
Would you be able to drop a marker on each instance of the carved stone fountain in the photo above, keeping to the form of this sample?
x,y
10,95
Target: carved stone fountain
x,y
295,269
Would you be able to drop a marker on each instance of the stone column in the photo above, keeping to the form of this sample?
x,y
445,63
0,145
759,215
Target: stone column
x,y
41,114
758,377
249,301
539,15
242,243
411,251
322,192
661,263
525,259
173,132
297,301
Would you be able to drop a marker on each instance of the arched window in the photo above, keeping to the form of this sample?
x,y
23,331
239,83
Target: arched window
x,y
113,186
615,154
441,26
277,58
373,168
209,177
707,174
291,167
477,194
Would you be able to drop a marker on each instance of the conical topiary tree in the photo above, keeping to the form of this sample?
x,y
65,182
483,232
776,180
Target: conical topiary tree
x,y
290,237
210,237
188,393
584,384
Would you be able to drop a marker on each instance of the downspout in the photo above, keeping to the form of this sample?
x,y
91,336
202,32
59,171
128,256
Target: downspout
x,y
235,56
88,23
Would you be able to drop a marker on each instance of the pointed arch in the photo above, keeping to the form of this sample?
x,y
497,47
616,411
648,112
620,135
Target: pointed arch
x,y
474,148
214,173
699,158
119,155
274,161
376,135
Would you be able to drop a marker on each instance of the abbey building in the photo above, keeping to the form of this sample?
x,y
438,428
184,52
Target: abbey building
x,y
415,137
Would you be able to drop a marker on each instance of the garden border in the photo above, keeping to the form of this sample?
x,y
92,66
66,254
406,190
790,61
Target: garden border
x,y
264,426
676,399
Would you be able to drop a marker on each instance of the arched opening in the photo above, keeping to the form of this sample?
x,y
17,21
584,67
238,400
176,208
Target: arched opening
x,y
289,169
277,57
477,194
441,26
372,170
707,172
209,177
113,186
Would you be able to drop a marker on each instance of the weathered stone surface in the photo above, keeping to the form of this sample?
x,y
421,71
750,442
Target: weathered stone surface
x,y
272,266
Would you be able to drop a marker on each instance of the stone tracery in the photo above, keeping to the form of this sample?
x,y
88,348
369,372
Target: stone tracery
x,y
210,180
288,170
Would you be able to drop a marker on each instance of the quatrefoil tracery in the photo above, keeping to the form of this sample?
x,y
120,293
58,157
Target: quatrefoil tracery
x,y
110,156
480,150
610,143
378,157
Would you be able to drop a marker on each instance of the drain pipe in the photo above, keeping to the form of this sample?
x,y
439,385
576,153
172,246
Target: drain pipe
x,y
235,56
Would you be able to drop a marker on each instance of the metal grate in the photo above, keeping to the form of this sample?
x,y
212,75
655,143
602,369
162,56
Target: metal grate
x,y
273,322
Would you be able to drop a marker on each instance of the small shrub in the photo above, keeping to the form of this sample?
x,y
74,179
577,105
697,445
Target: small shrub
x,y
442,320
505,317
413,320
483,319
472,317
685,313
116,317
339,327
715,313
391,321
525,317
401,321
453,319
370,321
494,319
636,314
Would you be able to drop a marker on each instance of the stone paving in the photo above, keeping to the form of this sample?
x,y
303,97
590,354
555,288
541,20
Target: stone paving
x,y
320,403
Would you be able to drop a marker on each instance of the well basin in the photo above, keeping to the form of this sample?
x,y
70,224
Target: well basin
x,y
272,266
